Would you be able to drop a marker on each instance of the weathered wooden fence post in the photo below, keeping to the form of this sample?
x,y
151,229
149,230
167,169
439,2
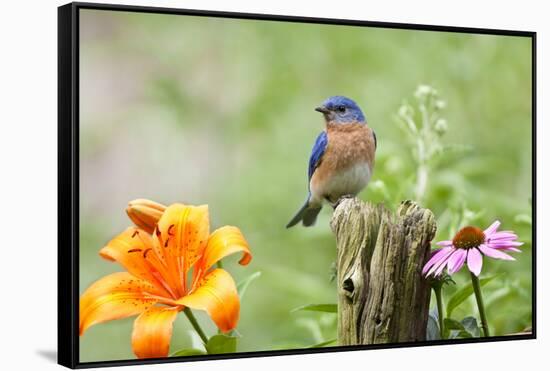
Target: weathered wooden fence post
x,y
382,296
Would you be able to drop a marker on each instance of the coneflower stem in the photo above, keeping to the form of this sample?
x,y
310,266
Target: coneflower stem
x,y
195,324
439,299
480,306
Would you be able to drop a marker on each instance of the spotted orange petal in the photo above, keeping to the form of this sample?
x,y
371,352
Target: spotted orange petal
x,y
133,249
223,242
183,231
216,294
118,295
153,331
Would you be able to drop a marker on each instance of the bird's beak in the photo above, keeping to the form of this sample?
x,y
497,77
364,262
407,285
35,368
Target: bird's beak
x,y
322,109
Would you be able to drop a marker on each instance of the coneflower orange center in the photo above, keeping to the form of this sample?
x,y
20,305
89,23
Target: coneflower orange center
x,y
468,237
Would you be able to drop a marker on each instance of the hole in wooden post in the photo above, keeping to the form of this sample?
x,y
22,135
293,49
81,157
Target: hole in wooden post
x,y
348,285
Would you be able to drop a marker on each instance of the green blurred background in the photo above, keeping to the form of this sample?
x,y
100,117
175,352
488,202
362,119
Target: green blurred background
x,y
220,111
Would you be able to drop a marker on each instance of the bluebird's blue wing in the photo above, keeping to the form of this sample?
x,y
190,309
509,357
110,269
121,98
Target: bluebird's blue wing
x,y
317,153
308,214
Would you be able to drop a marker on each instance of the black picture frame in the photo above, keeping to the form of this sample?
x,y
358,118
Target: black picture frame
x,y
68,178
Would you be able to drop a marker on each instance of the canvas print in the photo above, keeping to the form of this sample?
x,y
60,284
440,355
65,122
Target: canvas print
x,y
264,185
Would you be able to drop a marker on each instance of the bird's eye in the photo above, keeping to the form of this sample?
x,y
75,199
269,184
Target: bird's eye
x,y
341,109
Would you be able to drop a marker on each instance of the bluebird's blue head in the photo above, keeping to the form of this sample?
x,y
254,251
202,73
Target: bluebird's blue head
x,y
341,110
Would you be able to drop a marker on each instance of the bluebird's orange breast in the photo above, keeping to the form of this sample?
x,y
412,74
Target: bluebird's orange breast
x,y
347,164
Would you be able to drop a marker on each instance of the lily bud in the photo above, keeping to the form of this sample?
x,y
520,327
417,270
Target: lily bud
x,y
145,213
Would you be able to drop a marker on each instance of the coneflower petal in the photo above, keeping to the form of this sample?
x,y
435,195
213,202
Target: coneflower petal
x,y
501,244
456,261
503,236
493,253
492,228
436,257
513,249
475,261
441,261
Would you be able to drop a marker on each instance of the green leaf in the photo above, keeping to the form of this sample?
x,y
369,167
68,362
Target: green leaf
x,y
464,293
471,327
243,285
328,308
432,331
453,328
453,334
218,344
467,328
453,324
323,344
188,352
456,334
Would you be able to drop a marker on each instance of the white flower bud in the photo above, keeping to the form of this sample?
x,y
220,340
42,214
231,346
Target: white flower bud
x,y
422,91
405,111
440,104
441,126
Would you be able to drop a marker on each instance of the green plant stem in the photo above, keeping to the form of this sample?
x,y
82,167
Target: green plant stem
x,y
480,306
421,181
422,170
439,298
219,264
195,324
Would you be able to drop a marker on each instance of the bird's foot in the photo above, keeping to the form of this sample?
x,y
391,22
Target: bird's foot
x,y
339,201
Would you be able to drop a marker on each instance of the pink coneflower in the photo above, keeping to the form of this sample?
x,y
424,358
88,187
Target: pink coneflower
x,y
468,245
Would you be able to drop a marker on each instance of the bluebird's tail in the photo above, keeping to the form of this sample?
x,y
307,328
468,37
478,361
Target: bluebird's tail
x,y
307,214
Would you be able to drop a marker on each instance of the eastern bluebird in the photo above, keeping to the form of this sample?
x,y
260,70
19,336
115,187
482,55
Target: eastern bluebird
x,y
341,160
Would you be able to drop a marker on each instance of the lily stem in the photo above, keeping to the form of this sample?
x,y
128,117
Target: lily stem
x,y
439,299
195,324
480,306
219,264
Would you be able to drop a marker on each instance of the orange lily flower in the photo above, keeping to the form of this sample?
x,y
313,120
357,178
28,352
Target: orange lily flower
x,y
167,270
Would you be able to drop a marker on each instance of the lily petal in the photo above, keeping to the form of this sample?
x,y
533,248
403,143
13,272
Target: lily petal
x,y
153,331
223,242
182,233
475,261
217,295
133,250
118,295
